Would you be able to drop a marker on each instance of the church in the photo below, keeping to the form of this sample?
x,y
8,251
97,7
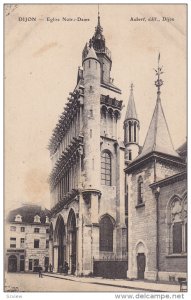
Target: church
x,y
117,209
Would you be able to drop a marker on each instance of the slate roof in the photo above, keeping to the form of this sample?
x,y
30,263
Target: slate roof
x,y
28,212
91,53
131,109
158,137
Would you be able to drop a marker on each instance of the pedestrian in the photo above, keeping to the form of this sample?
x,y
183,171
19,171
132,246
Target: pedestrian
x,y
40,272
66,267
50,268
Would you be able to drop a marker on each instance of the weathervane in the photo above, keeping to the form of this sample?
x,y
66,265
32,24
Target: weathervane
x,y
159,81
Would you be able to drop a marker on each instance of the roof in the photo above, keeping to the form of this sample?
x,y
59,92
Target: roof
x,y
158,137
131,109
28,212
182,150
91,53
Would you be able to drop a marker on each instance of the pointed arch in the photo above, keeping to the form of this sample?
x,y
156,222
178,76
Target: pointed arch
x,y
106,227
60,240
72,239
177,224
140,190
106,170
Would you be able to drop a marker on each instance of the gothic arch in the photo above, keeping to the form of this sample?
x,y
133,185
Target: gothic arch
x,y
72,240
60,241
176,219
106,230
109,216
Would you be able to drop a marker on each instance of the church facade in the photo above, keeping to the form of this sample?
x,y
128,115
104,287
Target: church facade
x,y
87,178
114,201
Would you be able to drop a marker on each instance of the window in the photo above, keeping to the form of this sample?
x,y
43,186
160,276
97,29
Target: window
x,y
36,262
105,168
126,199
135,132
12,242
13,228
36,219
140,190
36,230
30,264
129,131
106,234
18,218
178,226
36,243
47,243
47,230
22,229
22,242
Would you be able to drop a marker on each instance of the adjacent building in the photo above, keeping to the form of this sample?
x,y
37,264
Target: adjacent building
x,y
27,239
156,179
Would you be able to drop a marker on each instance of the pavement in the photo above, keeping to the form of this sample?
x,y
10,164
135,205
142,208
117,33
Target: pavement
x,y
122,283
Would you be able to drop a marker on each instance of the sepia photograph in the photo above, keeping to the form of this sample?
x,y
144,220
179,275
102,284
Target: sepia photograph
x,y
95,148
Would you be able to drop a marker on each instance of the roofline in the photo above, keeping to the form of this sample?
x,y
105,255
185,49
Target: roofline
x,y
151,155
166,181
25,223
109,87
90,58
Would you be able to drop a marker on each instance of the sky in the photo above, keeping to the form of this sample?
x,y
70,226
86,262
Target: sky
x,y
41,60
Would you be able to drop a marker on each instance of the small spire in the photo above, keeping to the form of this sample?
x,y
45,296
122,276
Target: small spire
x,y
98,16
159,81
131,87
131,109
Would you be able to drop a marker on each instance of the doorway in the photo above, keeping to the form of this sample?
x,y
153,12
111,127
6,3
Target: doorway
x,y
22,263
141,262
12,263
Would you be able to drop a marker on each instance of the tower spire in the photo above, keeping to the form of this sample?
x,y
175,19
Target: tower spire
x,y
158,137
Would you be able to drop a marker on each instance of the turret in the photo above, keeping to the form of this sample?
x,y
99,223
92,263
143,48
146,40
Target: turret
x,y
91,119
131,130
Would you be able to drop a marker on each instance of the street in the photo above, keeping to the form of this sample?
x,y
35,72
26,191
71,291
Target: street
x,y
32,283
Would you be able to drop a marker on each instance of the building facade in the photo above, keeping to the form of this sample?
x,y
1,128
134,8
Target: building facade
x,y
157,199
87,178
27,239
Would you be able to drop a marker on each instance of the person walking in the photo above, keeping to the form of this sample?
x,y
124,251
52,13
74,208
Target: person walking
x,y
40,272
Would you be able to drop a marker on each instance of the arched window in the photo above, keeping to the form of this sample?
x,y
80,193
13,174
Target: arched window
x,y
105,168
106,234
126,199
140,190
178,226
129,131
135,132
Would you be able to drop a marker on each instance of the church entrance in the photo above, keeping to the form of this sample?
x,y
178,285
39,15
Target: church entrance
x,y
12,263
61,247
72,241
141,262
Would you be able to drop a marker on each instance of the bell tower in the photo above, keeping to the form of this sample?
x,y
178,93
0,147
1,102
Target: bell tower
x,y
131,130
